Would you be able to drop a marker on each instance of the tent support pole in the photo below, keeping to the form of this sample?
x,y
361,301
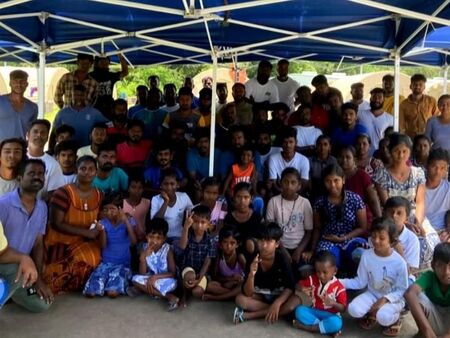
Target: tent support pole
x,y
41,85
396,89
445,82
213,116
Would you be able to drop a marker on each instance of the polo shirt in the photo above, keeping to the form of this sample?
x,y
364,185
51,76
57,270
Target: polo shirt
x,y
430,285
22,228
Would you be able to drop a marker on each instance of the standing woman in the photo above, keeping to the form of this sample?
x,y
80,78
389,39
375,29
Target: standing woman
x,y
363,159
438,127
73,250
401,179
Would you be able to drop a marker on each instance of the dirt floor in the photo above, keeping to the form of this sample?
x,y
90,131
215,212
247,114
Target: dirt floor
x,y
75,316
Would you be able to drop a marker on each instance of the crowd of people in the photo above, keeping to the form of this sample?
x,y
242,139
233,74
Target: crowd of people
x,y
311,196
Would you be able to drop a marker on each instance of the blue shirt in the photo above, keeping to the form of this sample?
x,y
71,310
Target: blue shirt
x,y
21,228
153,120
343,137
200,164
15,124
152,175
117,181
196,253
117,250
133,110
82,121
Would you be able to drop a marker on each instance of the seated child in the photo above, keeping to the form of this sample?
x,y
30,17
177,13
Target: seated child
x,y
157,269
408,246
217,205
228,273
170,204
199,249
329,298
444,235
116,237
385,274
429,297
268,289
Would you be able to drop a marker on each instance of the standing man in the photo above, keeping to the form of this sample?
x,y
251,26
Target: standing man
x,y
388,86
37,137
170,96
81,117
260,89
64,94
106,80
244,111
357,91
16,112
12,152
376,120
24,219
417,108
141,100
286,85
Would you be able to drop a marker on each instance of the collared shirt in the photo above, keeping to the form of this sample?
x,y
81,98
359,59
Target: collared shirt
x,y
196,253
65,89
22,228
388,105
414,115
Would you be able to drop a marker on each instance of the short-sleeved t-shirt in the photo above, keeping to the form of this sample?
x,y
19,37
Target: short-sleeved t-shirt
x,y
117,250
17,122
341,137
117,181
275,280
132,155
3,240
438,133
286,91
430,285
277,164
261,93
437,202
196,253
246,229
333,289
307,136
153,121
105,86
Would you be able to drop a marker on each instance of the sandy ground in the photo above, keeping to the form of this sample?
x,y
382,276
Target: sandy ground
x,y
76,316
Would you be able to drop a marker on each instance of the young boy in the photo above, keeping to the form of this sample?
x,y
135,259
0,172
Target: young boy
x,y
268,289
408,246
66,155
307,134
429,297
199,248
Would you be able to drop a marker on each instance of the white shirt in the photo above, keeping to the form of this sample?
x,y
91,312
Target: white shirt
x,y
86,150
307,136
54,177
174,214
7,185
437,202
277,164
261,93
72,178
171,109
376,125
294,217
286,91
411,247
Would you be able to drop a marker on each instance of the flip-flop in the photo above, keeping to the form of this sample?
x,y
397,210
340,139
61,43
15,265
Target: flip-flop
x,y
368,322
238,316
173,305
394,329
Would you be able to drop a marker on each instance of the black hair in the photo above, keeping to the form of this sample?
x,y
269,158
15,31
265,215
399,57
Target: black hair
x,y
202,132
356,85
106,147
351,106
238,84
246,147
280,106
283,62
205,92
398,202
99,125
169,85
420,137
323,137
288,132
264,63
385,224
333,169
442,98
136,178
112,198
388,77
136,123
66,145
119,102
324,256
177,124
29,161
65,128
210,181
202,211
397,138
229,231
82,56
418,77
447,215
42,122
291,171
243,186
318,80
169,172
157,225
258,106
185,91
86,158
17,140
269,231
442,253
377,90
347,148
163,144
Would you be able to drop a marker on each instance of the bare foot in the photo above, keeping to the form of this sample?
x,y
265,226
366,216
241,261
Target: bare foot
x,y
303,327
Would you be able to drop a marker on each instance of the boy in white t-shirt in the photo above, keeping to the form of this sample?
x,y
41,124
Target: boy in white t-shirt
x,y
307,134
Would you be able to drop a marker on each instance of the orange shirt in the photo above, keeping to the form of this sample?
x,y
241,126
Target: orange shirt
x,y
241,175
414,115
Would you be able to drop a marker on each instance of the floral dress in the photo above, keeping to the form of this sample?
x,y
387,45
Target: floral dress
x,y
157,264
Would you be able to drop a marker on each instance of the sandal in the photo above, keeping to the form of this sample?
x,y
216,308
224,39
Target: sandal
x,y
238,316
368,322
173,305
394,329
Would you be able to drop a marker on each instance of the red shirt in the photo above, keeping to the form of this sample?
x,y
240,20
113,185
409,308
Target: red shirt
x,y
358,184
333,289
131,155
320,118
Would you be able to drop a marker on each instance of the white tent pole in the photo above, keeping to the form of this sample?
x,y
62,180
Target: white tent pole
x,y
12,3
396,89
213,117
445,82
41,85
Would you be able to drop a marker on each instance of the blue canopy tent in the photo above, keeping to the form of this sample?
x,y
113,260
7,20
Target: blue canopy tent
x,y
205,31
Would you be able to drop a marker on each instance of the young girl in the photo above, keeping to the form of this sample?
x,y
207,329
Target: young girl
x,y
328,295
170,204
339,218
359,182
293,213
243,171
385,274
421,150
137,206
217,206
117,234
228,273
157,269
363,159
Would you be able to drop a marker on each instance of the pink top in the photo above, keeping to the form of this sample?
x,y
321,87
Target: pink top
x,y
139,212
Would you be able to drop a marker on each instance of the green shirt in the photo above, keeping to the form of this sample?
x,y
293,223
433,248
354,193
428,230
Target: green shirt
x,y
430,285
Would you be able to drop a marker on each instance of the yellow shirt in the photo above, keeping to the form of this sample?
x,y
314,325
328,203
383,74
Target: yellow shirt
x,y
414,115
388,105
3,240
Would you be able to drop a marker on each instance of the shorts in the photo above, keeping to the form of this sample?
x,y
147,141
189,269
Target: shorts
x,y
203,283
